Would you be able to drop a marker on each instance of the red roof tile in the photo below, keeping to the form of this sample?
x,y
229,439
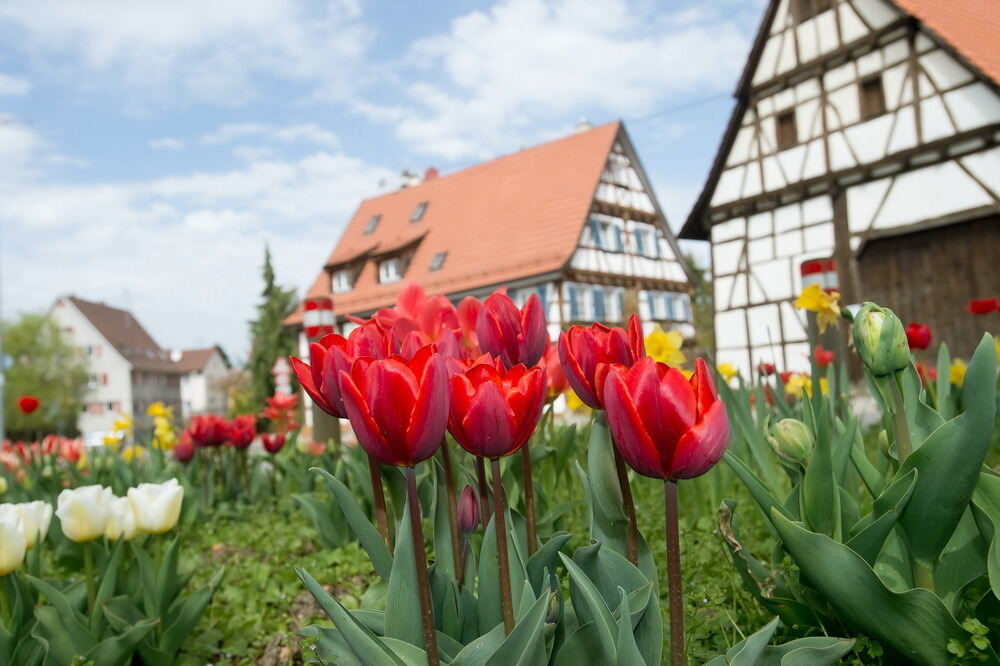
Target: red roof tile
x,y
510,218
971,27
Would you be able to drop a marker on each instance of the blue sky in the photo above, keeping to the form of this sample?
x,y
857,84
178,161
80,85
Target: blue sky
x,y
148,151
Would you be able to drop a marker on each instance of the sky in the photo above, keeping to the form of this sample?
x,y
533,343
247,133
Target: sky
x,y
150,150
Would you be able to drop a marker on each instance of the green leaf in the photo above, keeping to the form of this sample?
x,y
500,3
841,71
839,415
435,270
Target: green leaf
x,y
748,651
544,560
106,588
443,552
820,496
490,613
479,651
71,623
185,618
62,642
870,533
403,619
581,647
760,494
986,499
526,643
628,651
944,406
949,461
588,602
117,650
330,532
367,534
915,622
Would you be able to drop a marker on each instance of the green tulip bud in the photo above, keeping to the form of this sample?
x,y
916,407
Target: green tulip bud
x,y
792,440
880,339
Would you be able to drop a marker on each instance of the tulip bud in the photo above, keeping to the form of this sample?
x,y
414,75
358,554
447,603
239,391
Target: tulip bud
x,y
468,511
83,512
157,506
792,440
880,340
121,520
184,451
12,542
35,517
553,611
3,486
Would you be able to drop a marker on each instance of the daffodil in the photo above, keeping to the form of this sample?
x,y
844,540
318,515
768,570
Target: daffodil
x,y
796,385
133,453
573,401
158,409
815,299
957,371
727,370
665,346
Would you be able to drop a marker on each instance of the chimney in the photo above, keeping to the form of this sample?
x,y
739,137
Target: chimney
x,y
408,179
430,174
583,125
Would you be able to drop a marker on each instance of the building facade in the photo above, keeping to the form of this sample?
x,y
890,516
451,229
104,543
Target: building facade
x,y
864,146
128,370
202,384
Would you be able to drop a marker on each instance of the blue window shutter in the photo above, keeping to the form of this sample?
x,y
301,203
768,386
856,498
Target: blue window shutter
x,y
640,247
619,241
656,244
595,232
574,309
668,305
597,293
620,296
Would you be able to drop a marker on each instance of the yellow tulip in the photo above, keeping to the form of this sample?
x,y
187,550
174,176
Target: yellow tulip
x,y
133,452
727,370
665,346
957,372
815,299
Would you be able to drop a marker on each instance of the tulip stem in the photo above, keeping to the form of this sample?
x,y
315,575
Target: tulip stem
x,y
484,493
426,609
501,532
460,574
674,587
631,534
206,480
901,429
4,603
449,484
379,494
529,497
88,568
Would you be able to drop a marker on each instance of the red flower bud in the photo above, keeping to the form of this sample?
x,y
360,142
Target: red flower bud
x,y
514,336
824,357
184,449
981,306
398,407
494,411
208,430
586,352
468,511
27,404
553,369
918,336
765,369
241,431
665,426
272,443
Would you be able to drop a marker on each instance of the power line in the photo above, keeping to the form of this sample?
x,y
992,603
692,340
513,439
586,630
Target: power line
x,y
678,107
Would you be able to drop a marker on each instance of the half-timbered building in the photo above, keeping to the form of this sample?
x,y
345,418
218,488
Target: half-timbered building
x,y
863,154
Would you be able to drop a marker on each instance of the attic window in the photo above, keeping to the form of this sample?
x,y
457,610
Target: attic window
x,y
787,133
438,261
372,223
418,212
872,97
341,281
389,270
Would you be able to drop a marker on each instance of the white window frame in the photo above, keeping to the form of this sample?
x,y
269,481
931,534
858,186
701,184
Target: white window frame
x,y
389,271
341,281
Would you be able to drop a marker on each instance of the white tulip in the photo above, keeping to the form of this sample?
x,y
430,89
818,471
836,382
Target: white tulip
x,y
36,517
121,521
84,512
12,541
157,506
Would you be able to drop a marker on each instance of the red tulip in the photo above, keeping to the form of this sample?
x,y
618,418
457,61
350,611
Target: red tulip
x,y
665,426
398,407
926,373
272,443
586,352
333,354
557,383
208,430
316,449
981,306
824,357
468,315
241,431
468,511
27,404
918,336
765,369
184,449
514,336
493,411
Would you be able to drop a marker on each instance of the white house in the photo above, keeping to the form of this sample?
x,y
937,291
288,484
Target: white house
x,y
128,370
201,391
863,152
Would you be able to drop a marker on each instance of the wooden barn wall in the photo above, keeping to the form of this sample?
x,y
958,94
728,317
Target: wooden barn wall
x,y
929,276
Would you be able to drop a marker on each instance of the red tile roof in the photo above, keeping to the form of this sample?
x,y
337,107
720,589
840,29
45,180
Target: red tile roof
x,y
194,360
127,335
971,27
513,217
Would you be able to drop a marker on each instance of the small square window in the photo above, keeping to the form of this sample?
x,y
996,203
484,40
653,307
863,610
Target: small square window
x,y
418,212
341,281
388,271
438,261
372,223
872,97
788,135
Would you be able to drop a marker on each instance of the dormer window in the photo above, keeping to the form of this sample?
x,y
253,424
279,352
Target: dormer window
x,y
372,223
418,212
438,261
389,270
341,281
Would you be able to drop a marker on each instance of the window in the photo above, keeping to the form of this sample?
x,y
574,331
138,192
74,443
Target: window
x,y
341,281
418,212
788,135
574,305
372,223
646,242
388,271
104,379
595,233
640,244
872,97
668,306
438,261
806,9
685,301
597,296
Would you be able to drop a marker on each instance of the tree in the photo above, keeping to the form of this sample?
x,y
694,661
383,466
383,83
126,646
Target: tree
x,y
45,365
270,338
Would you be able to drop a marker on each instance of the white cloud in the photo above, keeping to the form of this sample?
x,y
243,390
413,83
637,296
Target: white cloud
x,y
304,132
166,143
187,51
13,85
514,70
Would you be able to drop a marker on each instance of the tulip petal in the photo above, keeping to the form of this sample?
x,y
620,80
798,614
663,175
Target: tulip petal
x,y
526,400
460,394
305,377
664,401
534,334
627,428
570,342
489,423
390,393
702,447
636,342
430,412
704,386
369,435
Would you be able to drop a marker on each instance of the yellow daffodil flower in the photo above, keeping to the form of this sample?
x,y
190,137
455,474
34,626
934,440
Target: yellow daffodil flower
x,y
159,410
665,346
133,453
727,370
957,371
823,303
573,401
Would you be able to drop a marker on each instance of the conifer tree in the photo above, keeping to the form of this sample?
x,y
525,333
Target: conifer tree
x,y
270,339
